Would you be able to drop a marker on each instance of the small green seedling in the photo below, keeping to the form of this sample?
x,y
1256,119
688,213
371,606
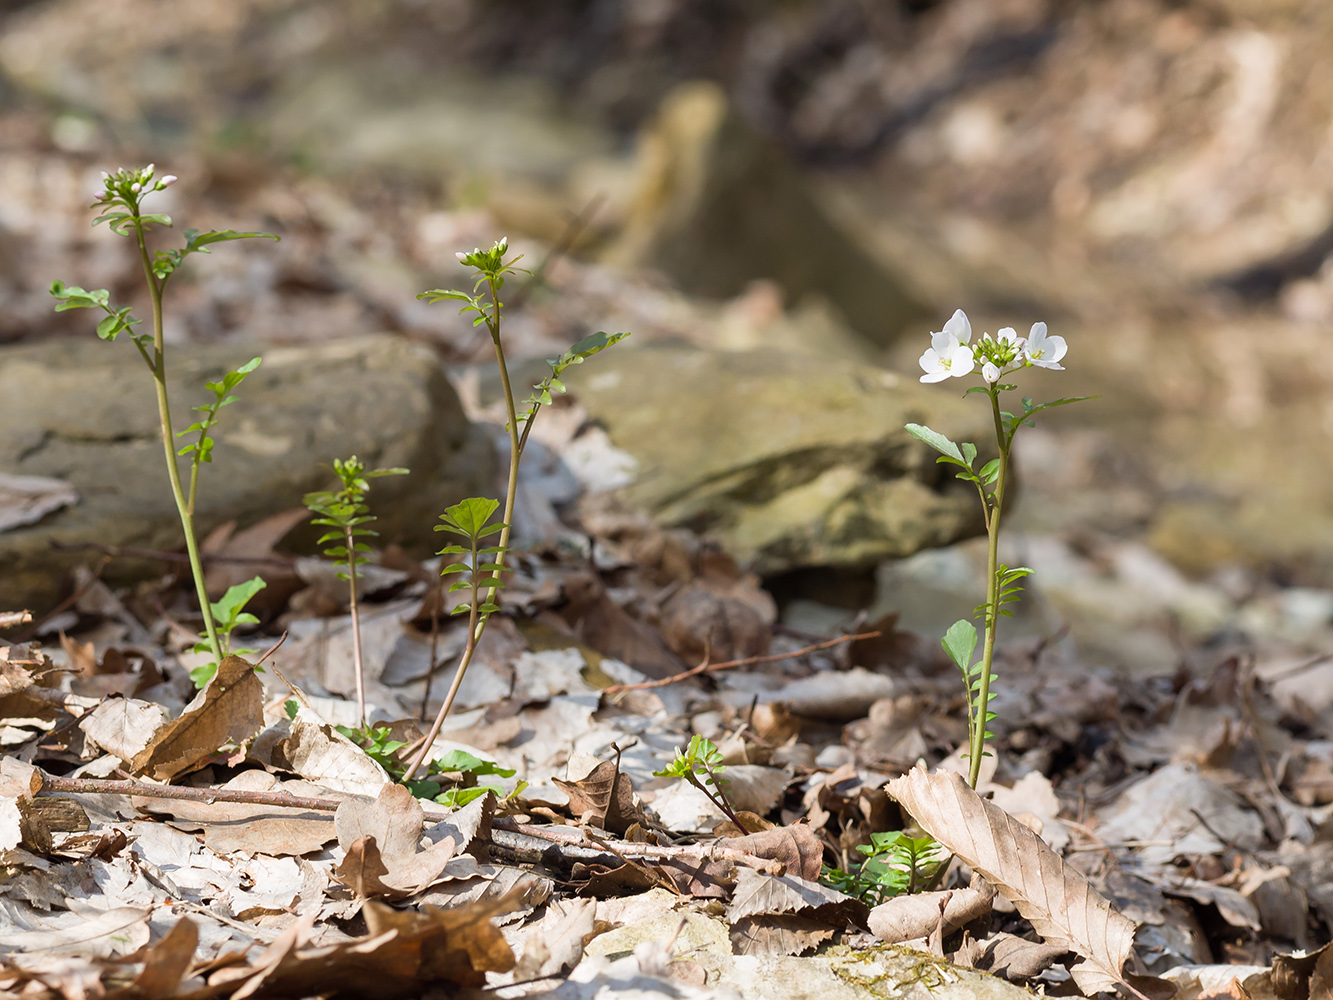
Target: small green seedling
x,y
121,204
379,746
700,763
896,864
484,565
228,613
951,355
345,513
452,780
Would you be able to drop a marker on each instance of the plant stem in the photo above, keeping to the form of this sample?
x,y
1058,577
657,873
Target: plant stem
x,y
169,442
477,622
718,800
978,733
356,628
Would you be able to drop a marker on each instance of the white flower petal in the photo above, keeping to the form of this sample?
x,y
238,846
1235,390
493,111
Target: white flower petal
x,y
990,373
1009,334
961,362
958,327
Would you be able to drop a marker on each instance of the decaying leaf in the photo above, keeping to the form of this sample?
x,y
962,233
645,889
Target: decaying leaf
x,y
783,934
757,893
164,965
382,840
906,918
230,709
603,797
555,943
319,753
1056,898
279,831
798,847
123,726
1008,955
403,955
28,499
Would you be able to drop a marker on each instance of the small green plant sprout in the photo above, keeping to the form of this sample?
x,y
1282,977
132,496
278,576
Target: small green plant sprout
x,y
379,745
452,780
345,513
121,205
483,302
896,864
951,355
700,763
228,613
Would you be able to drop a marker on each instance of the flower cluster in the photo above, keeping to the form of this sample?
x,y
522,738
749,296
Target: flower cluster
x,y
490,261
951,352
129,186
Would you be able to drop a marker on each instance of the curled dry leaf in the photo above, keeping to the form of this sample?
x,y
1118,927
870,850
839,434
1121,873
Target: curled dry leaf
x,y
906,918
1008,955
604,797
1056,898
230,709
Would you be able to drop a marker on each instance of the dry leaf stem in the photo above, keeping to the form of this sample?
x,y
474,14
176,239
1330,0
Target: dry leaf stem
x,y
708,668
144,789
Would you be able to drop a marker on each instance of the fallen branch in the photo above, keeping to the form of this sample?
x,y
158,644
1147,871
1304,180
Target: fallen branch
x,y
12,619
708,668
144,789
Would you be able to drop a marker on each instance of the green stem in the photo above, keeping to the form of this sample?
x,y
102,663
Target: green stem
x,y
978,727
718,800
477,622
169,442
356,628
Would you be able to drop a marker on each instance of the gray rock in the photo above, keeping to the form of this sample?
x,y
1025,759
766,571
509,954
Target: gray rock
x,y
85,412
790,461
718,206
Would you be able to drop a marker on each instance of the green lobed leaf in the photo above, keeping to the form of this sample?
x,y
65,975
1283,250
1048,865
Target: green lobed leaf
x,y
936,440
960,641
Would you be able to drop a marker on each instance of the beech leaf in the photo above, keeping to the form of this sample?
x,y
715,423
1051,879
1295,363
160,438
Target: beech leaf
x,y
1056,898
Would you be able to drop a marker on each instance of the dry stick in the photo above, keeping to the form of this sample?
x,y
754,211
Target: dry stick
x,y
11,619
144,789
575,838
129,552
708,668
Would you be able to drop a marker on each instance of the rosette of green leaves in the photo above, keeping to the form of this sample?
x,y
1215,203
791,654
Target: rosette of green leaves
x,y
701,757
895,864
468,519
459,770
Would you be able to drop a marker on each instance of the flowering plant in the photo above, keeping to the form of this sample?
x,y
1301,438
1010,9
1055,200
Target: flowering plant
x,y
952,355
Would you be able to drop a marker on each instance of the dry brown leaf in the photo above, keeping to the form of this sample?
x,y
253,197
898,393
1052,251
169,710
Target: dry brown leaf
x,y
1008,955
279,831
164,965
382,841
123,726
785,934
256,542
797,847
604,626
605,798
1056,898
404,954
555,942
906,918
757,893
230,709
319,753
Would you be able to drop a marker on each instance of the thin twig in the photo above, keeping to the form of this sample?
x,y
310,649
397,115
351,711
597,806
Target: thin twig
x,y
10,619
104,786
708,668
129,552
572,837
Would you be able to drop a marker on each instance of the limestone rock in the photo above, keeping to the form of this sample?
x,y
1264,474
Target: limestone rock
x,y
85,412
718,206
790,461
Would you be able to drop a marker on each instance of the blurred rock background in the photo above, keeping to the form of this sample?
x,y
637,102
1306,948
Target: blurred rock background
x,y
817,179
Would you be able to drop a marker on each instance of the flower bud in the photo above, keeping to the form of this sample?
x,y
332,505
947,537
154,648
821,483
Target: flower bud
x,y
167,181
462,257
135,187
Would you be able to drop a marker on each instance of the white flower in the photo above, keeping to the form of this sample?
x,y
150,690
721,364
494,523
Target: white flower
x,y
1009,335
990,373
1044,351
958,329
948,353
956,359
